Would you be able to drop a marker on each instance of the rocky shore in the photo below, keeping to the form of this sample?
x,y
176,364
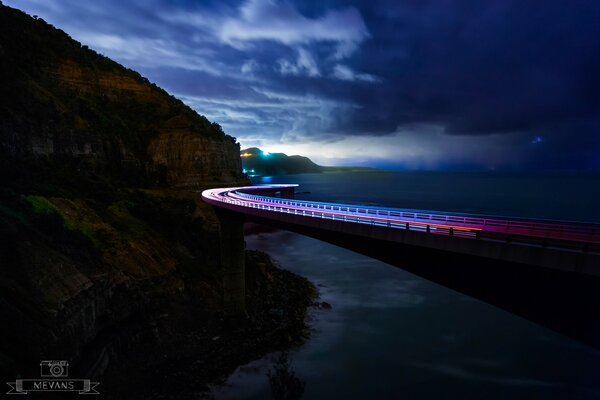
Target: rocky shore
x,y
192,348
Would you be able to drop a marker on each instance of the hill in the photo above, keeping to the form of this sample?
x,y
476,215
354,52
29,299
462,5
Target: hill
x,y
107,252
60,99
256,162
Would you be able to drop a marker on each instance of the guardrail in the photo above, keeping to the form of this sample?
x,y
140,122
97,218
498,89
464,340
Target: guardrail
x,y
415,226
541,227
528,233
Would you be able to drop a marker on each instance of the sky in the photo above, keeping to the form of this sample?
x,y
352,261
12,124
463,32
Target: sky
x,y
408,84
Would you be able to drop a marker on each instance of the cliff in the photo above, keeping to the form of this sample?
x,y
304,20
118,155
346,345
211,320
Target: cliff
x,y
105,246
61,99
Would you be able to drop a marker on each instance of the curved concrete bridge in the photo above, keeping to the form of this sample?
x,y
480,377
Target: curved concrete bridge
x,y
561,245
546,271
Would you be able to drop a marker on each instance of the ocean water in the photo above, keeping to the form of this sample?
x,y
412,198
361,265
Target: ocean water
x,y
554,195
393,335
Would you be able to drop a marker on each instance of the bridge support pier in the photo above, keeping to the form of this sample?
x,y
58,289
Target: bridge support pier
x,y
232,262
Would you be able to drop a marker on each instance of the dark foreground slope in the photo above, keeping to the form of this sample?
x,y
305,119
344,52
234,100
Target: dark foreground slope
x,y
106,253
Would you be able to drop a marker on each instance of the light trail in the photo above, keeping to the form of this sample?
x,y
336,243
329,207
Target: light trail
x,y
432,222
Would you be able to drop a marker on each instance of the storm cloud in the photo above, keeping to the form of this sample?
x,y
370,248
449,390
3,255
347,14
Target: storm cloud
x,y
408,84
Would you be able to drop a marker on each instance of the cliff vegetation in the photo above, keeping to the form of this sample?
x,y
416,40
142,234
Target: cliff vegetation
x,y
106,250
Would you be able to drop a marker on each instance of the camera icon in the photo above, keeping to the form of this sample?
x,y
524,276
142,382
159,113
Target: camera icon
x,y
54,369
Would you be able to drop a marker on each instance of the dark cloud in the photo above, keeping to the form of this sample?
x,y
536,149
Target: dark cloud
x,y
327,77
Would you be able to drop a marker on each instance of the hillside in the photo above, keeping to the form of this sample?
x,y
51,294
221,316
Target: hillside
x,y
256,162
60,99
107,252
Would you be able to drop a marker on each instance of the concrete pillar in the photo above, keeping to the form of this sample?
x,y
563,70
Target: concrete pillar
x,y
232,262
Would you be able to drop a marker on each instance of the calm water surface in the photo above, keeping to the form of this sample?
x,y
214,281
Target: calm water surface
x,y
391,334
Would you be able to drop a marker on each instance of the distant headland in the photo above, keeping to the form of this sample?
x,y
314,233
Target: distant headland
x,y
256,162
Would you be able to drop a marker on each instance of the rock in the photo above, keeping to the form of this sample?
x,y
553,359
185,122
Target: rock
x,y
192,161
97,235
73,102
105,251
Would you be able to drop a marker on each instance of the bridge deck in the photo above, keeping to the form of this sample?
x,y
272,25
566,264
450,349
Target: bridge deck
x,y
572,236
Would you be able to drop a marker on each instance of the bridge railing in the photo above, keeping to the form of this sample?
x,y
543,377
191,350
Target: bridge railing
x,y
524,232
323,211
564,229
416,226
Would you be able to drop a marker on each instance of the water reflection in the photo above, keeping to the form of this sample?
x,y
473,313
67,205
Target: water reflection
x,y
391,334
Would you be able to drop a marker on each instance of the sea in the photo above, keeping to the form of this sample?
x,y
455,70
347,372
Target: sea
x,y
393,335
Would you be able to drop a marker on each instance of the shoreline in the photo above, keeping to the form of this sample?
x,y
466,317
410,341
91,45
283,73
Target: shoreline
x,y
203,350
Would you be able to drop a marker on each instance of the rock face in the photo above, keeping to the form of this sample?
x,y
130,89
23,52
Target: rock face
x,y
192,161
61,99
97,240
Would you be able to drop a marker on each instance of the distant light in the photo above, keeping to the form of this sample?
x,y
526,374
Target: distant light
x,y
246,155
536,140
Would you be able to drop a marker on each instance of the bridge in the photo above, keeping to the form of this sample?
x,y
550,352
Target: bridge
x,y
543,270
